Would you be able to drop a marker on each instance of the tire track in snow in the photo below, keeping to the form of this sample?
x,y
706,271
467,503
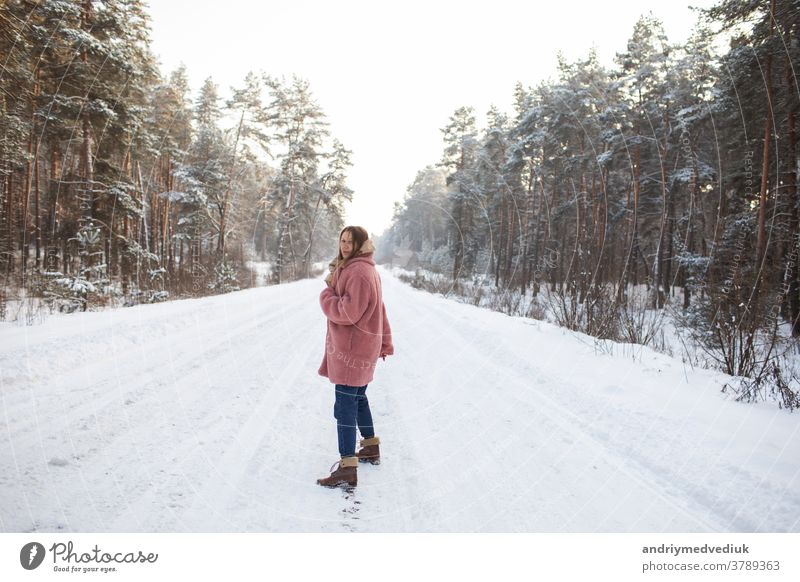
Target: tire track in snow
x,y
202,432
152,382
490,365
207,421
229,471
211,342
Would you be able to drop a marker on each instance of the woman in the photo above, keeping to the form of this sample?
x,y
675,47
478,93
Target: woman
x,y
358,333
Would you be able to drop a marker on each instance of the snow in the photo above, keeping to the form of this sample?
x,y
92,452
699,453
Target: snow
x,y
262,270
208,415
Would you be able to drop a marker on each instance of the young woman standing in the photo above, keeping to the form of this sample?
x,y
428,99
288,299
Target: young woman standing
x,y
358,333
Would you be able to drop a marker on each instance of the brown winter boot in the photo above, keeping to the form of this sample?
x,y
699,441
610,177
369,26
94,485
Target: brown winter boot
x,y
370,451
344,475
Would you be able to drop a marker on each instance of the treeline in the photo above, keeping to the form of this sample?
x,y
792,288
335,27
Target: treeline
x,y
673,172
117,185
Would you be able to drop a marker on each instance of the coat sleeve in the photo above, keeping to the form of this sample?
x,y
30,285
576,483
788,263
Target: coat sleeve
x,y
386,343
347,309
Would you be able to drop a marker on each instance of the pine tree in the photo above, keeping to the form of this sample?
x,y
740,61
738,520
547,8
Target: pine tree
x,y
300,131
460,138
642,71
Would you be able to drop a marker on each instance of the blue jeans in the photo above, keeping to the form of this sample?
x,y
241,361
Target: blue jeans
x,y
351,409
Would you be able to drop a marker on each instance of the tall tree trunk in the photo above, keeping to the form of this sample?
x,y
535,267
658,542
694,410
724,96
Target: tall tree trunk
x,y
283,227
791,196
500,233
53,215
602,224
9,233
87,261
637,186
530,193
539,205
510,215
659,281
762,206
29,171
629,266
37,223
226,197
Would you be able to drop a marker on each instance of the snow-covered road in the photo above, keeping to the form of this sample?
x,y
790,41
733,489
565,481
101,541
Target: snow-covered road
x,y
208,415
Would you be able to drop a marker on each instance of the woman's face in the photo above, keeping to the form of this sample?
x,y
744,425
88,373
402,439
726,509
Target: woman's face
x,y
346,244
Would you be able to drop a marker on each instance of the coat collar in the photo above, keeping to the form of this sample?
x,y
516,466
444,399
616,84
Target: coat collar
x,y
364,258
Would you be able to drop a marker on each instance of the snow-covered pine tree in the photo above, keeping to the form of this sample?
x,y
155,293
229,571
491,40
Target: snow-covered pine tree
x,y
460,153
300,132
643,67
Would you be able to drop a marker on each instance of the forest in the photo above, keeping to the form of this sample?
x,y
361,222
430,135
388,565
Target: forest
x,y
662,189
612,199
118,188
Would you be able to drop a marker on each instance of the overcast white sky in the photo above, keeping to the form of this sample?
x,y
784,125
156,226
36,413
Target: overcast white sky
x,y
389,74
